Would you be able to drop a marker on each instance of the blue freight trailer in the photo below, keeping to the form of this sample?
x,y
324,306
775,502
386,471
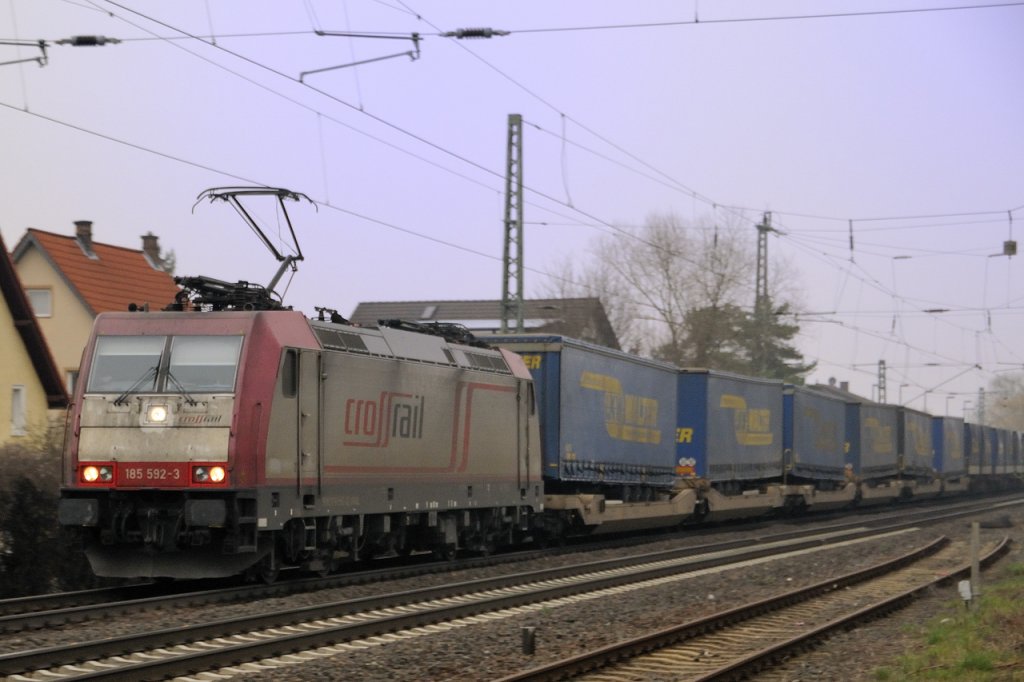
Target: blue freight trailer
x,y
814,435
730,427
976,449
607,418
872,431
948,438
916,447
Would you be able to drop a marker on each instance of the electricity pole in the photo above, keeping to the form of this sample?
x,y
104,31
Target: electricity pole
x,y
761,300
512,270
762,303
881,381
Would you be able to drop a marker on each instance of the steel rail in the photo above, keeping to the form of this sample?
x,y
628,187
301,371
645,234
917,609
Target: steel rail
x,y
546,584
54,656
592,661
48,610
771,655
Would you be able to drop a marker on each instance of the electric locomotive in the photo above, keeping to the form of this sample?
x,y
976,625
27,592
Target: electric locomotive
x,y
208,444
228,434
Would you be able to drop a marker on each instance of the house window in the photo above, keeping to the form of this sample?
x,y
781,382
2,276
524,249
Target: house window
x,y
41,301
18,417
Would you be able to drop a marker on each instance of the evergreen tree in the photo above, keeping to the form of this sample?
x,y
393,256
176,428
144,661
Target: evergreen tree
x,y
713,337
771,353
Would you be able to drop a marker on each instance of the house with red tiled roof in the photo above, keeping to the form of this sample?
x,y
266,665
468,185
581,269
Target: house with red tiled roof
x,y
69,280
32,394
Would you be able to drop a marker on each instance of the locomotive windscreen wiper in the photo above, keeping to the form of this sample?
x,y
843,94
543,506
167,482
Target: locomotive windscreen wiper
x,y
181,389
123,398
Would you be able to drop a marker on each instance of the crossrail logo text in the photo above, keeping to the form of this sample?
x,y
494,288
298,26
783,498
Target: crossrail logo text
x,y
373,423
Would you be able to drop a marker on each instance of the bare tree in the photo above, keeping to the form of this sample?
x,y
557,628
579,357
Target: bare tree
x,y
648,279
668,269
1004,404
571,281
683,293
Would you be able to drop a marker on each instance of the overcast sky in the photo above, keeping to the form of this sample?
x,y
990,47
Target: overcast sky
x,y
716,111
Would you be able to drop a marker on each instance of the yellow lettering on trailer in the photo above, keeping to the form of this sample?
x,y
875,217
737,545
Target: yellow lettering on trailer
x,y
684,434
878,436
752,426
627,417
919,439
531,360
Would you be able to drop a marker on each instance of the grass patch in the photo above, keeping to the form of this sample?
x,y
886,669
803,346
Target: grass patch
x,y
972,646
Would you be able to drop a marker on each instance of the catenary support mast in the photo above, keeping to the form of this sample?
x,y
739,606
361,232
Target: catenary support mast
x,y
512,272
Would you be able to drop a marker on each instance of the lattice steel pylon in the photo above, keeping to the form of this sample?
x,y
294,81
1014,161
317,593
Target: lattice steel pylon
x,y
512,264
761,299
881,382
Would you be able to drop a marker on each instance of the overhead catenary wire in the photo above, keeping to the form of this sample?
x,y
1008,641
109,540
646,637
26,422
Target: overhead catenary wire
x,y
745,20
695,22
670,180
364,112
600,223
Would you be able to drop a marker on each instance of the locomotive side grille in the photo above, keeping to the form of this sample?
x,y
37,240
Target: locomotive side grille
x,y
339,340
481,361
352,341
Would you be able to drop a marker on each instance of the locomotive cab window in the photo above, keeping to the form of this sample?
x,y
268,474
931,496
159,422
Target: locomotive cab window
x,y
160,364
204,364
126,363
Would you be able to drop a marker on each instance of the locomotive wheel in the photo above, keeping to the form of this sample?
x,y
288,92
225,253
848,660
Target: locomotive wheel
x,y
328,568
445,552
268,574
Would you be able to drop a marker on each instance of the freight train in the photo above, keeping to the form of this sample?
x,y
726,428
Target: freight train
x,y
207,444
230,435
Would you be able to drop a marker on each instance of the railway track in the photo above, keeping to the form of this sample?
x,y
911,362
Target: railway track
x,y
375,620
750,639
181,651
53,610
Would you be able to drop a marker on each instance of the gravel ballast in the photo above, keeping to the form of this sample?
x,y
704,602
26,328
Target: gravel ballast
x,y
490,648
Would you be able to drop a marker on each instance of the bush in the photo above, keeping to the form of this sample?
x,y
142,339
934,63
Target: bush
x,y
36,554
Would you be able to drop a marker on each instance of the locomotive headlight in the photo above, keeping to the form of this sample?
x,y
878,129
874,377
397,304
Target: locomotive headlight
x,y
156,414
97,474
209,474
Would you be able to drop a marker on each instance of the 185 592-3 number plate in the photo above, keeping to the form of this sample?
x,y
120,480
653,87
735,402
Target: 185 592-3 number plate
x,y
150,474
